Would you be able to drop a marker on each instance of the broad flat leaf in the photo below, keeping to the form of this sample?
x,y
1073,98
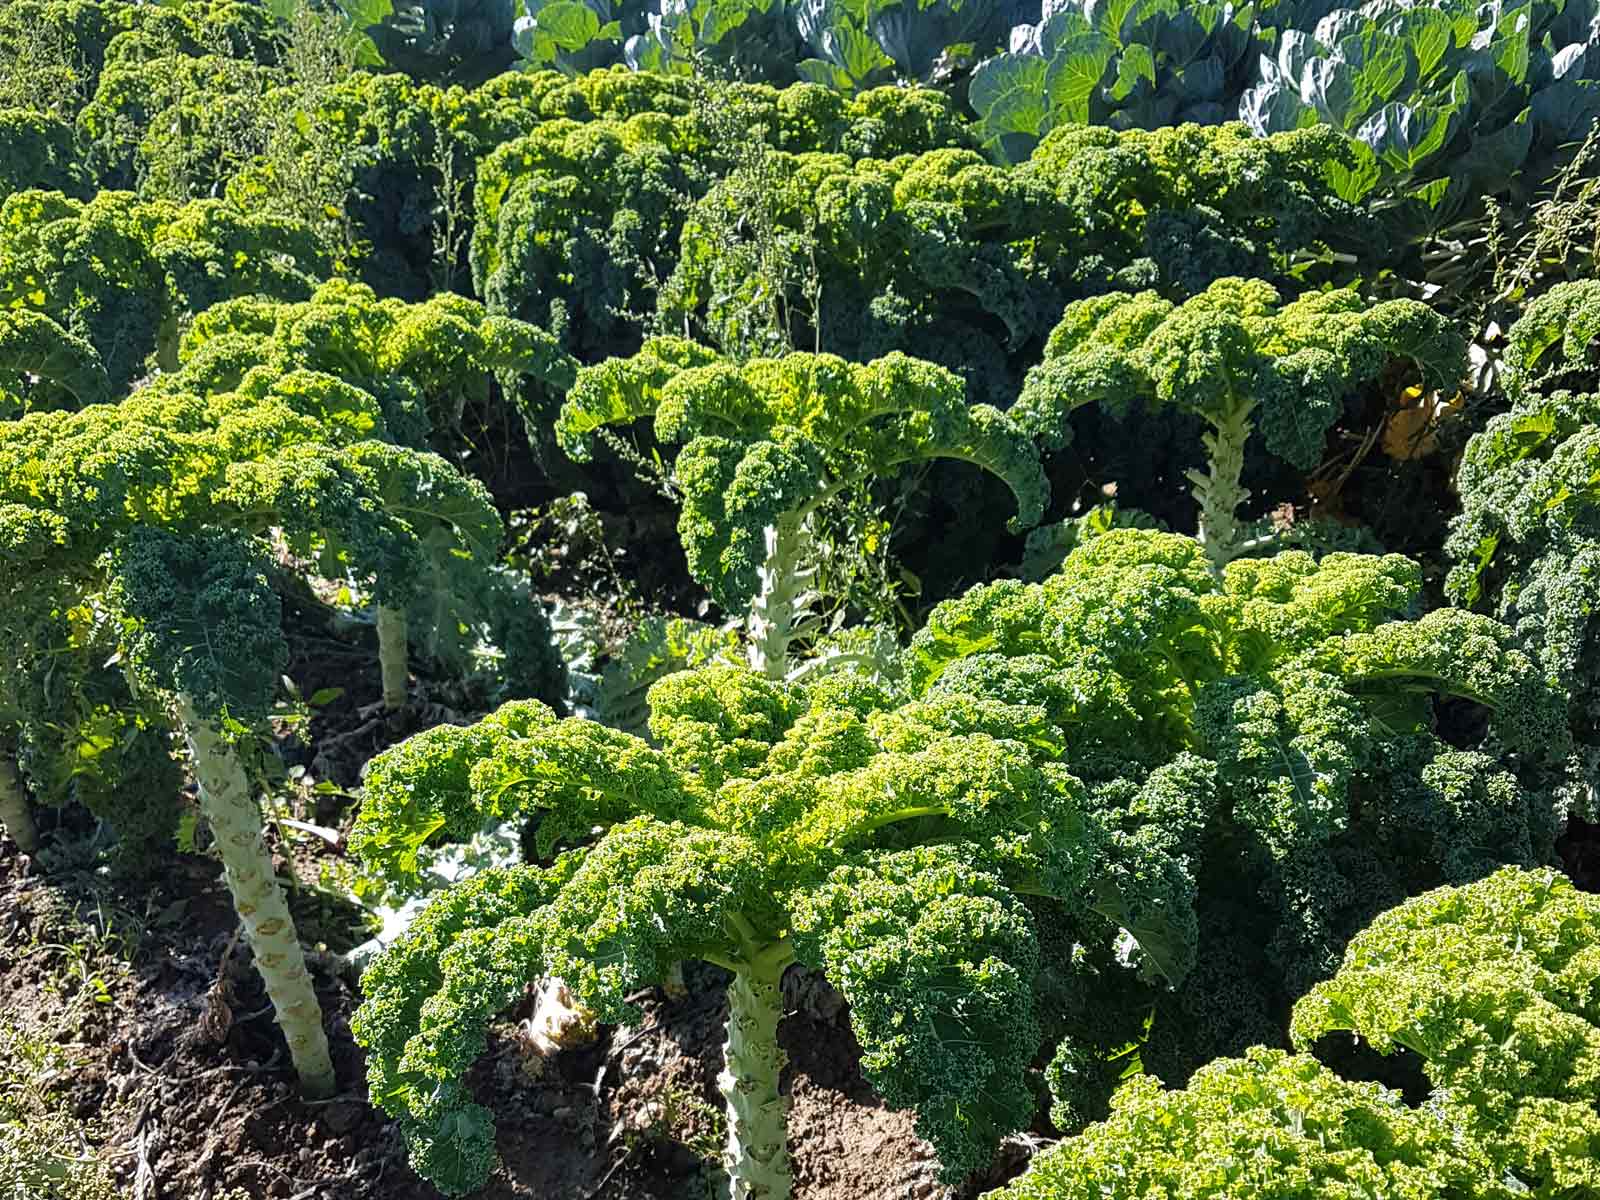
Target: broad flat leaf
x,y
1565,111
814,70
1061,27
569,24
1135,64
1008,94
1337,26
1111,17
1531,430
855,52
1354,184
1270,107
1074,74
1495,158
1435,192
1294,50
1512,52
1404,138
1569,60
1397,711
1382,72
1163,946
1185,34
1328,86
525,40
1202,79
1431,35
365,13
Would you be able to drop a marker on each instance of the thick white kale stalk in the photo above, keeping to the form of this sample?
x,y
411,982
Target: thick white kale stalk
x,y
230,806
778,609
392,655
15,814
204,626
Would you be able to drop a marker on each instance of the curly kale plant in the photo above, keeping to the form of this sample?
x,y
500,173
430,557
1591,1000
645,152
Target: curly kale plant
x,y
578,223
941,254
125,275
52,52
429,364
1265,1126
949,257
446,597
1527,541
175,122
204,627
1241,360
75,730
1264,751
1490,985
886,845
766,444
38,150
290,457
1191,204
154,508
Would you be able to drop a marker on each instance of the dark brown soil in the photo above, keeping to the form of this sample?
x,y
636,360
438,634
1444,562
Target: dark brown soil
x,y
184,1070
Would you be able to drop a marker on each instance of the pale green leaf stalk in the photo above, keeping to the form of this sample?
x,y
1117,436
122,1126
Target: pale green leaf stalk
x,y
757,1154
1217,490
392,650
235,816
15,814
778,610
202,625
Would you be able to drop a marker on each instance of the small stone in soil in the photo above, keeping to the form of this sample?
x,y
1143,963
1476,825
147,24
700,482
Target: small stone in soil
x,y
341,1117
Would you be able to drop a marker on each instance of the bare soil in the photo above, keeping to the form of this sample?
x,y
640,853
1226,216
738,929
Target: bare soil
x,y
184,1069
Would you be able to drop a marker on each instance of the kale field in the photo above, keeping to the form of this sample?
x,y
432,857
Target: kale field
x,y
799,600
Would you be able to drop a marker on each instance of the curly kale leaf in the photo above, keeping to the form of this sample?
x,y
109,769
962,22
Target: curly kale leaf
x,y
1257,1122
1235,348
202,618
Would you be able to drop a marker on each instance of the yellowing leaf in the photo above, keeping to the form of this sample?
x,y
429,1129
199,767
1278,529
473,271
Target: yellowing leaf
x,y
1413,431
